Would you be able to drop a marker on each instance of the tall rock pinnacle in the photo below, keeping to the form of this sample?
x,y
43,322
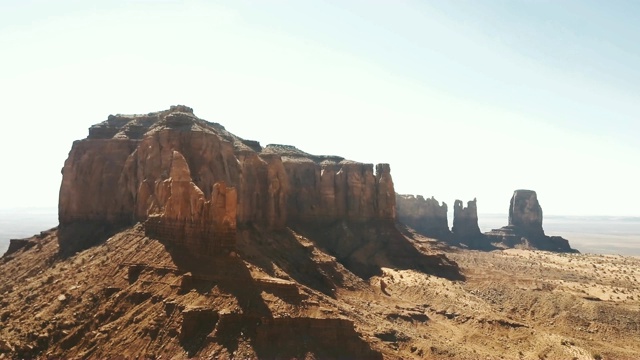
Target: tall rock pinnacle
x,y
525,212
525,226
465,220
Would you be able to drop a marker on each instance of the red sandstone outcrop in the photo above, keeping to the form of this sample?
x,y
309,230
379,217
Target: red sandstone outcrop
x,y
232,274
525,226
429,218
179,213
89,190
525,212
426,216
330,188
465,221
193,184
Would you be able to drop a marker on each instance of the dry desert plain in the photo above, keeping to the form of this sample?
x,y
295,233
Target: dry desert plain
x,y
512,304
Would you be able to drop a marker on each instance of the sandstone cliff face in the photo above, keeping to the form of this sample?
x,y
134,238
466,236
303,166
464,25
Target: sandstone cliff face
x,y
525,212
129,167
188,178
465,220
330,188
90,177
426,216
212,155
525,226
180,214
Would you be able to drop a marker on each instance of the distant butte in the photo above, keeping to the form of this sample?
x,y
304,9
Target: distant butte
x,y
524,229
525,226
426,216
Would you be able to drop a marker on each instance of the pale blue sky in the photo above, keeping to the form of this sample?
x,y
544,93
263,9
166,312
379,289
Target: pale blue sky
x,y
464,98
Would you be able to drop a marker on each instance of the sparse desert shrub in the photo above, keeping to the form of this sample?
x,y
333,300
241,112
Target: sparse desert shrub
x,y
597,356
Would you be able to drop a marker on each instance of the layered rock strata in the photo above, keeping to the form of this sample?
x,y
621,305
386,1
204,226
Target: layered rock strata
x,y
330,188
525,226
192,181
426,216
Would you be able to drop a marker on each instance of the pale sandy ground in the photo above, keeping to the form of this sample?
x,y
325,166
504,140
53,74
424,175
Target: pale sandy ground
x,y
611,277
621,244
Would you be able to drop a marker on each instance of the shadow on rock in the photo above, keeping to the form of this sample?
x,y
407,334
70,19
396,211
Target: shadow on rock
x,y
365,247
81,235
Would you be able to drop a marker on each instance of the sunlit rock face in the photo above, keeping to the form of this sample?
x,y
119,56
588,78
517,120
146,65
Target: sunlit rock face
x,y
330,188
189,178
179,213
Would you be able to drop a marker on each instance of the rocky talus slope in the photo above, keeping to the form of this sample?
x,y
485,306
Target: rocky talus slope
x,y
281,296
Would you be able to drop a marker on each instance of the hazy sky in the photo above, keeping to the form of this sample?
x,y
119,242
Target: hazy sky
x,y
463,98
